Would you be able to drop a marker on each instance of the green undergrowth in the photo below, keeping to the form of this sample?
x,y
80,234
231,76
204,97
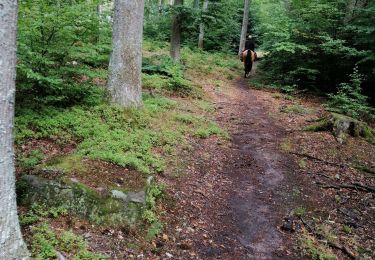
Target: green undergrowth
x,y
126,137
45,243
49,244
162,75
207,62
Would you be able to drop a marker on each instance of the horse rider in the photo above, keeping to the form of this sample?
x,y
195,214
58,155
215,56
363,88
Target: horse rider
x,y
250,45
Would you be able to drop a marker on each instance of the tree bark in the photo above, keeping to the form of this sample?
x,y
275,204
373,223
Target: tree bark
x,y
201,27
196,4
176,34
245,23
126,59
12,245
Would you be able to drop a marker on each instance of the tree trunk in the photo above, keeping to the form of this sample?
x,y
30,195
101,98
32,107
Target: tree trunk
x,y
201,27
245,23
12,245
196,4
126,60
176,34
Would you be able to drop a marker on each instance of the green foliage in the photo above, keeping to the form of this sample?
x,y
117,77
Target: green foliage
x,y
222,21
153,193
58,45
30,160
315,44
45,243
39,211
104,132
211,129
349,100
164,76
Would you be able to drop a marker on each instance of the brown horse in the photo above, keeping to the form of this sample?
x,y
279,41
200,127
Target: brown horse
x,y
248,57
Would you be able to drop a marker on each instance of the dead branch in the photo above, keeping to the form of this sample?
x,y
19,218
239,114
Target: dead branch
x,y
318,159
354,186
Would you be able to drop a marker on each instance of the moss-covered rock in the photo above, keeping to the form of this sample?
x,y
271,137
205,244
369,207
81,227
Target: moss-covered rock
x,y
342,126
79,200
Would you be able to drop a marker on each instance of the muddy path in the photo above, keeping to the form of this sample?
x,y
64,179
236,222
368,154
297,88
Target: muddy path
x,y
259,174
236,196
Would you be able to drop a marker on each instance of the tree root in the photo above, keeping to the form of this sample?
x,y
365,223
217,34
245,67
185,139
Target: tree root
x,y
334,245
354,186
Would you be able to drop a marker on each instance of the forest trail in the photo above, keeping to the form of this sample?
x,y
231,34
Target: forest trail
x,y
247,185
257,169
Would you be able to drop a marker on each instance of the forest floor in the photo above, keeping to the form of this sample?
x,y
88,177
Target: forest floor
x,y
273,191
269,191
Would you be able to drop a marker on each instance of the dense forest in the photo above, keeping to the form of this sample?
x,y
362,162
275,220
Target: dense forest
x,y
105,105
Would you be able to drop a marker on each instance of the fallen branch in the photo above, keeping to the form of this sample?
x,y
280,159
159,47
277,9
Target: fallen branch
x,y
318,159
344,249
354,186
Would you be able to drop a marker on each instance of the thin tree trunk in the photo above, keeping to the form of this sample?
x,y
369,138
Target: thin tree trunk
x,y
201,27
196,4
126,60
245,23
176,34
12,245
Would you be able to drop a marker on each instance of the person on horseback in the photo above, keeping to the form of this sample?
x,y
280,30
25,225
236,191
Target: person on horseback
x,y
248,56
250,45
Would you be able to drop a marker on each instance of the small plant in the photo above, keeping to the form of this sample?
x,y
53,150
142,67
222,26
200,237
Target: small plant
x,y
349,100
300,211
347,229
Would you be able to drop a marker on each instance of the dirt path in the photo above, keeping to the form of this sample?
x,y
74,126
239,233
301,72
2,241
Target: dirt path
x,y
241,192
258,171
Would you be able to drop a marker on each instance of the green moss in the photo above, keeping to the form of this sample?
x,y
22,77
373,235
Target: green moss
x,y
296,109
67,164
321,125
77,199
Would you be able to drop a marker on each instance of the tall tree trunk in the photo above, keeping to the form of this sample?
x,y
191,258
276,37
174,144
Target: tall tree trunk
x,y
201,26
126,60
196,4
12,245
245,23
176,34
